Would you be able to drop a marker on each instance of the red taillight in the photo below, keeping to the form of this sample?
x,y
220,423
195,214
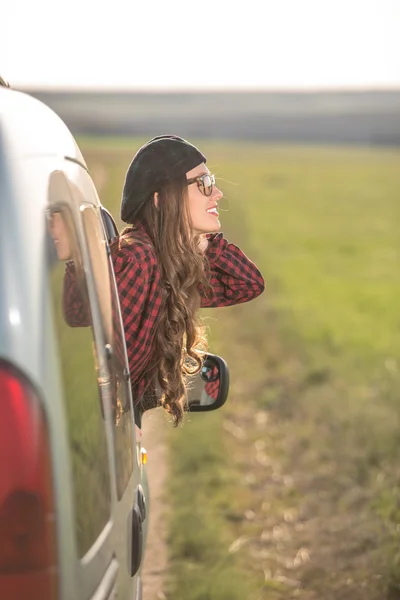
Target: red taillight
x,y
28,553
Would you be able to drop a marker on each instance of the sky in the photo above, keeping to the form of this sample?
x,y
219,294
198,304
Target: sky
x,y
208,44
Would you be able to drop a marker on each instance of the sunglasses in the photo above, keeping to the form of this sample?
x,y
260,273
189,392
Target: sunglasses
x,y
205,183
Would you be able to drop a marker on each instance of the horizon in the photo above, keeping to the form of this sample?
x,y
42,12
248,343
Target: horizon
x,y
202,90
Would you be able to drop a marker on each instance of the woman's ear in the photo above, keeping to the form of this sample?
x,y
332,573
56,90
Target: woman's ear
x,y
155,199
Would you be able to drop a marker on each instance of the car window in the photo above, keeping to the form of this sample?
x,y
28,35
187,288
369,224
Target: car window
x,y
81,372
114,336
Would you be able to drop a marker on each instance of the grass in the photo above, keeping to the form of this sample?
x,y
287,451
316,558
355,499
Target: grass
x,y
291,490
201,486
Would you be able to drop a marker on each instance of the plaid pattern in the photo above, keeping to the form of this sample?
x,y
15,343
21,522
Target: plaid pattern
x,y
77,314
211,388
233,278
139,290
75,305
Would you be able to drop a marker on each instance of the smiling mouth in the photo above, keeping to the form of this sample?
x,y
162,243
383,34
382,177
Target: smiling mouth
x,y
213,211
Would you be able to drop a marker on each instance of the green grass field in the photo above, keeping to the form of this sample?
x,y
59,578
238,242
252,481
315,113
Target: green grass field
x,y
291,490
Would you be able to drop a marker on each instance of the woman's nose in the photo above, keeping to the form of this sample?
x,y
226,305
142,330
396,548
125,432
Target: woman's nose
x,y
217,195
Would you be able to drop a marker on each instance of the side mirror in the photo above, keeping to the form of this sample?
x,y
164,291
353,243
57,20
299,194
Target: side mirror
x,y
209,389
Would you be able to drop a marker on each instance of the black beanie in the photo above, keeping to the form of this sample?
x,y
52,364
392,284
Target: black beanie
x,y
162,159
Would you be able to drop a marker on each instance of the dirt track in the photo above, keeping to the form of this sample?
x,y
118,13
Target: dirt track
x,y
155,560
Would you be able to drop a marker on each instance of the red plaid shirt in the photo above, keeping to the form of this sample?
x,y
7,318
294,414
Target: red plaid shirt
x,y
232,276
211,388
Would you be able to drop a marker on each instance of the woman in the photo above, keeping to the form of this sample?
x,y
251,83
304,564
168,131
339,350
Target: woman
x,y
169,262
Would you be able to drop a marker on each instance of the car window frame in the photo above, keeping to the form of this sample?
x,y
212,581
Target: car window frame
x,y
125,373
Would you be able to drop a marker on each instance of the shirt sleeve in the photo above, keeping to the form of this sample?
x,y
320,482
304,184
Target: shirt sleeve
x,y
75,304
232,276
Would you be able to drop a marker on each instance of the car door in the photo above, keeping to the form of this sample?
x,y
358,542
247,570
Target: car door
x,y
128,514
98,404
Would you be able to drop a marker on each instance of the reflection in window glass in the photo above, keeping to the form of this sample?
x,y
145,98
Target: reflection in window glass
x,y
114,336
86,427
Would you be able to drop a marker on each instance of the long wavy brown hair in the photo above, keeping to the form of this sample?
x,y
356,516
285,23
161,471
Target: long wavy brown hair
x,y
180,335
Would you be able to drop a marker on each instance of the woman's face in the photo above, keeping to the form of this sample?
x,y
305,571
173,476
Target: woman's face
x,y
203,209
59,233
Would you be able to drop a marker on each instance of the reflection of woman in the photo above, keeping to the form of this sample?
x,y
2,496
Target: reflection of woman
x,y
210,374
61,237
168,264
75,299
210,393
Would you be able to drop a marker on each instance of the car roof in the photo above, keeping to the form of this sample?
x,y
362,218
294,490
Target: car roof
x,y
30,128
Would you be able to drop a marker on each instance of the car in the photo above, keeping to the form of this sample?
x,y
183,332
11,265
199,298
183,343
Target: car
x,y
73,488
